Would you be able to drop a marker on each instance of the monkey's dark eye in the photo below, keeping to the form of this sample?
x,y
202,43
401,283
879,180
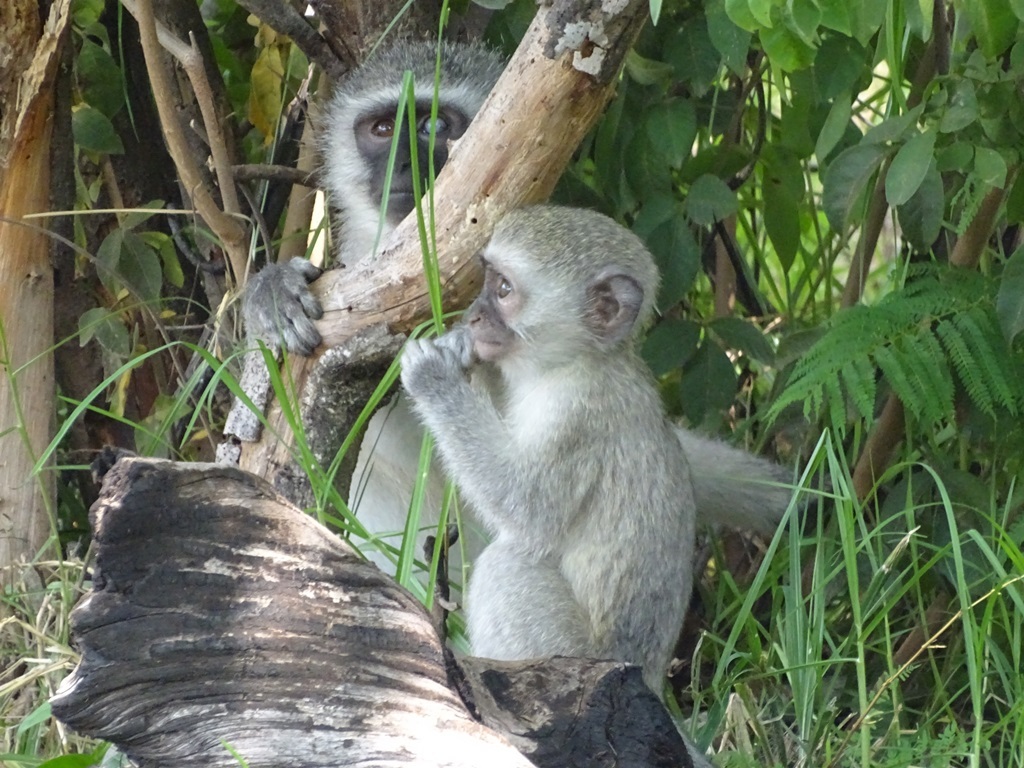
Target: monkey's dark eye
x,y
504,288
383,128
441,123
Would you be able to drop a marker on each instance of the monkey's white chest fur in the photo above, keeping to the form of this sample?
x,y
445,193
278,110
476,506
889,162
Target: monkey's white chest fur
x,y
532,414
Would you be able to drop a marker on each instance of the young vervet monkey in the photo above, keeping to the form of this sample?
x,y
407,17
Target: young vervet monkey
x,y
570,464
731,486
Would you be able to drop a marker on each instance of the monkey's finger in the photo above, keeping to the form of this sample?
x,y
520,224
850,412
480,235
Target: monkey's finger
x,y
459,344
307,269
310,305
300,335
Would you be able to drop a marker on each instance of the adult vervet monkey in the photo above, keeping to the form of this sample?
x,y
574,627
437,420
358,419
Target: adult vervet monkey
x,y
731,487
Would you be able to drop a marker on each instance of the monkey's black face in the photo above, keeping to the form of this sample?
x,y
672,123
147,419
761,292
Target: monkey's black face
x,y
490,317
374,135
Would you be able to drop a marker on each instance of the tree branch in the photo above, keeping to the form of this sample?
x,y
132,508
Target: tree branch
x,y
230,231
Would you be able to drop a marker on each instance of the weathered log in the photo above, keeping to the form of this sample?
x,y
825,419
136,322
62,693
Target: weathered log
x,y
221,615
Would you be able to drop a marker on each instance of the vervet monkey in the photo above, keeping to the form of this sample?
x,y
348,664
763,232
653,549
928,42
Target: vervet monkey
x,y
731,486
355,141
571,464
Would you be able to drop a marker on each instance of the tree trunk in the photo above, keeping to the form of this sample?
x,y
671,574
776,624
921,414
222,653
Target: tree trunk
x,y
27,76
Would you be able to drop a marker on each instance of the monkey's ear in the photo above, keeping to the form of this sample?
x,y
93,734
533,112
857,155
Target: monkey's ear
x,y
613,303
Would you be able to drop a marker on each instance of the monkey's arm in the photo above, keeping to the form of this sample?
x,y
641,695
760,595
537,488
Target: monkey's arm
x,y
462,418
279,308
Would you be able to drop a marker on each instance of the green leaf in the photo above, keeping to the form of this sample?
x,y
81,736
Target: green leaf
x,y
678,257
739,13
671,129
921,216
657,209
1010,300
956,157
908,168
710,200
804,16
893,128
729,38
99,79
670,344
783,183
846,179
71,761
994,25
834,127
85,13
919,18
647,71
744,336
164,245
645,168
693,56
835,14
866,17
858,377
108,259
39,715
107,328
140,266
1015,201
133,219
708,383
93,131
989,167
962,109
842,66
786,49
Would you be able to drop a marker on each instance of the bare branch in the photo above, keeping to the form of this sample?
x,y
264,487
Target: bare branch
x,y
230,231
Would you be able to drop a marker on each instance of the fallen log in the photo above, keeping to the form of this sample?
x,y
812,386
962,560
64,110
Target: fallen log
x,y
222,620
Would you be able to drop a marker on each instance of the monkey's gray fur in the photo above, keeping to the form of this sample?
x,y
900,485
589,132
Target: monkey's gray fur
x,y
572,465
731,486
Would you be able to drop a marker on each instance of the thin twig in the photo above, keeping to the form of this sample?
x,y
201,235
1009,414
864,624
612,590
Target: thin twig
x,y
231,233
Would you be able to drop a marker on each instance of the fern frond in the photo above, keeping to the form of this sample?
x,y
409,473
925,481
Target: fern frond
x,y
940,325
988,347
961,354
858,377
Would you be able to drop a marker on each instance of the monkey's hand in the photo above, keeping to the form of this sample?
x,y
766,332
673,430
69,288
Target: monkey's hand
x,y
459,342
279,308
434,366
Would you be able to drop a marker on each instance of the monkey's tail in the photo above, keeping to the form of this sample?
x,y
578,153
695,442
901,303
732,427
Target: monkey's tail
x,y
734,488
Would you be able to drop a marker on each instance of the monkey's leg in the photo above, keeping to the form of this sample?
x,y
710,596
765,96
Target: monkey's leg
x,y
383,481
521,608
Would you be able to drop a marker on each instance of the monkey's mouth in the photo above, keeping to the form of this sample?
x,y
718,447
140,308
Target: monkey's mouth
x,y
401,202
488,351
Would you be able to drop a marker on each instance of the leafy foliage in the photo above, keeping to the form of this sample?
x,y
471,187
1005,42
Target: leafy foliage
x,y
940,330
